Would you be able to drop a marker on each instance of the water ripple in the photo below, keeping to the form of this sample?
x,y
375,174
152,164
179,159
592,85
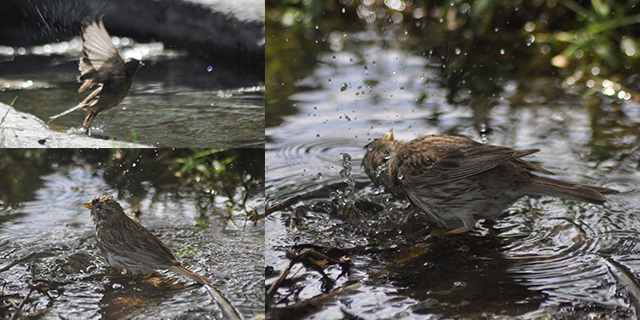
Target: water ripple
x,y
300,165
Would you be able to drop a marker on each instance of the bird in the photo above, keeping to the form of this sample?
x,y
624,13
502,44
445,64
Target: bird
x,y
457,181
127,244
101,67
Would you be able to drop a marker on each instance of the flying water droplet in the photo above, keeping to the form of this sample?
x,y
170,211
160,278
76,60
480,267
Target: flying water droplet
x,y
380,169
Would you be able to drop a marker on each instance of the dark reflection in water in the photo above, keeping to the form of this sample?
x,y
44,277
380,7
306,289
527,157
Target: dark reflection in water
x,y
201,214
152,298
464,275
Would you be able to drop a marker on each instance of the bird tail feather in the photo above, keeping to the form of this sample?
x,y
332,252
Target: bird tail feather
x,y
227,309
66,112
542,186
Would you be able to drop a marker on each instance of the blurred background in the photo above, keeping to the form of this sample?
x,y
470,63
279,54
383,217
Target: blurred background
x,y
560,76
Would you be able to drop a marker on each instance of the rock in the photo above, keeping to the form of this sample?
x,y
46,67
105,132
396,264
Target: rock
x,y
23,130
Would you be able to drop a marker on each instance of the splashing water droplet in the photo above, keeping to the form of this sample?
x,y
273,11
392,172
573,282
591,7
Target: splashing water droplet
x,y
386,155
345,200
380,169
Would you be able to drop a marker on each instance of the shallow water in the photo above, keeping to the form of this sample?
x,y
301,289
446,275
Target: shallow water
x,y
175,100
52,223
544,257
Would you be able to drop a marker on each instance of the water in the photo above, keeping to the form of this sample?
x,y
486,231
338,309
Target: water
x,y
51,222
175,100
544,258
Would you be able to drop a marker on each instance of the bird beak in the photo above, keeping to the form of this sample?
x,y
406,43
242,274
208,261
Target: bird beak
x,y
388,136
88,205
141,64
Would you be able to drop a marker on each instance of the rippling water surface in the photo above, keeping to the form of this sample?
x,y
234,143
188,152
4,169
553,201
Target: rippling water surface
x,y
53,224
544,258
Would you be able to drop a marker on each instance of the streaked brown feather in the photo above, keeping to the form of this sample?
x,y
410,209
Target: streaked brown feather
x,y
456,180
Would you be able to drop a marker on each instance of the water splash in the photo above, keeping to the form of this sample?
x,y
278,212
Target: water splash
x,y
380,169
344,201
57,19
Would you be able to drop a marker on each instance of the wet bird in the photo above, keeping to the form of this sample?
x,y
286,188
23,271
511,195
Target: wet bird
x,y
457,181
104,68
127,244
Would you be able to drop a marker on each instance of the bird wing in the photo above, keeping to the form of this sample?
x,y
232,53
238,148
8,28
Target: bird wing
x,y
458,158
101,59
149,248
139,247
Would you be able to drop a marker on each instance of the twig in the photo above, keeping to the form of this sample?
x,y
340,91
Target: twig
x,y
5,115
246,195
10,106
274,287
38,313
626,280
312,304
308,256
14,262
19,309
281,205
317,300
311,259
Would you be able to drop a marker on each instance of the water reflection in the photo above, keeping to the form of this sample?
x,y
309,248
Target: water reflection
x,y
207,233
545,257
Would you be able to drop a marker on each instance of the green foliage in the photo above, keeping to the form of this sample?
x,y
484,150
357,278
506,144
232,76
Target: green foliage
x,y
215,171
604,33
234,174
562,34
185,252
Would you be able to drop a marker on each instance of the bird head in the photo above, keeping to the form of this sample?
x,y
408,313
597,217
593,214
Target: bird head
x,y
132,66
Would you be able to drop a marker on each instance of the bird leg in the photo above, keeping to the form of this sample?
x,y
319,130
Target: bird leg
x,y
89,119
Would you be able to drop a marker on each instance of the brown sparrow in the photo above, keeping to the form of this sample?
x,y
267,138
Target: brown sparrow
x,y
457,181
103,67
127,244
